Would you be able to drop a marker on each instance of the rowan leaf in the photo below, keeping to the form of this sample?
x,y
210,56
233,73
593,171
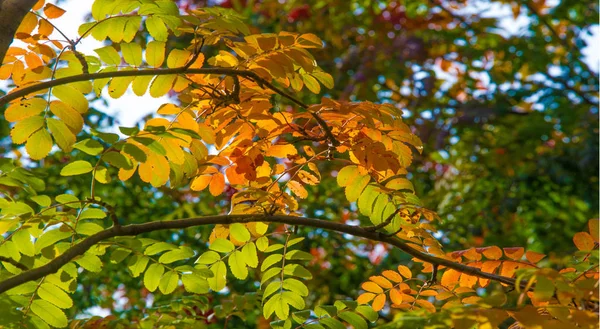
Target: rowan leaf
x,y
51,314
74,168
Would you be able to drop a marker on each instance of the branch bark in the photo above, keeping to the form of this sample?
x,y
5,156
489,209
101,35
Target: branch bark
x,y
12,13
22,92
137,229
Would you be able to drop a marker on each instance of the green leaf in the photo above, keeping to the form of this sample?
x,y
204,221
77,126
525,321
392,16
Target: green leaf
x,y
208,257
158,248
137,265
49,238
118,160
354,319
250,255
49,313
62,135
218,281
296,286
55,295
262,243
89,146
132,53
332,323
323,310
311,83
156,27
222,246
195,283
109,55
153,276
367,312
176,255
297,270
237,265
295,241
347,175
366,200
78,167
135,152
68,200
25,128
90,262
42,200
168,282
355,188
271,288
88,228
270,261
155,53
269,274
325,78
298,255
92,213
118,255
22,239
239,232
110,138
293,300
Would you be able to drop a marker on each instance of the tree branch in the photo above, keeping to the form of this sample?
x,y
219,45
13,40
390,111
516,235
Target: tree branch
x,y
136,229
22,92
12,13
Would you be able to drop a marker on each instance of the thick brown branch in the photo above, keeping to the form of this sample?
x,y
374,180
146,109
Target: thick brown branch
x,y
12,13
17,93
137,229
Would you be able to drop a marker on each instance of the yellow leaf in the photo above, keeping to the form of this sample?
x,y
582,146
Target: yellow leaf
x,y
200,183
309,40
155,170
281,150
24,109
404,271
365,298
118,86
371,287
381,281
223,59
396,296
155,53
140,84
311,83
39,144
392,275
217,184
132,53
378,302
162,84
23,129
109,55
62,135
52,11
178,58
297,188
71,97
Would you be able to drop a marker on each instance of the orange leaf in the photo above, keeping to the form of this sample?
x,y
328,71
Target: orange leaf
x,y
533,256
396,296
450,278
392,275
378,302
372,287
508,269
365,298
514,252
594,228
200,183
281,151
217,184
426,305
492,252
404,271
583,241
467,280
472,254
471,300
381,281
488,267
52,11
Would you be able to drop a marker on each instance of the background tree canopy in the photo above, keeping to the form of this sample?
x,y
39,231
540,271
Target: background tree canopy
x,y
456,155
